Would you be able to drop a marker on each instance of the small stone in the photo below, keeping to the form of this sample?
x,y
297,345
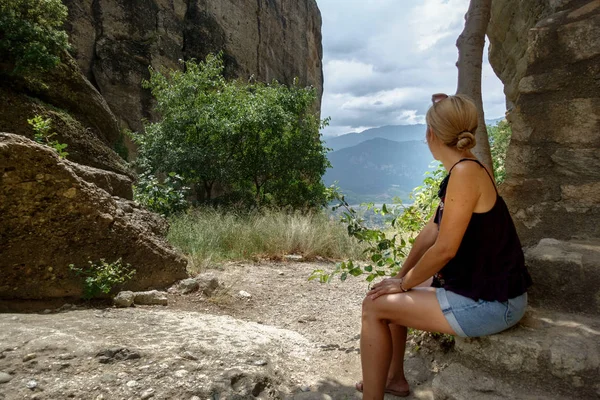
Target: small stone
x,y
188,286
294,257
4,377
124,299
47,311
153,297
305,388
104,360
29,357
244,294
32,384
260,363
281,273
195,398
66,356
117,354
146,394
207,283
108,378
131,384
180,373
189,356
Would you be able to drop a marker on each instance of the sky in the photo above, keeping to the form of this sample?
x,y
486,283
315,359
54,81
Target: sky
x,y
383,59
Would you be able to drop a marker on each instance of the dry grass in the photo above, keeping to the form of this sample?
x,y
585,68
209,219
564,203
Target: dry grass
x,y
210,236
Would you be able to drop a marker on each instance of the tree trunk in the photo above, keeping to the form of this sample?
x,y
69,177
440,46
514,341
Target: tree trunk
x,y
470,45
208,190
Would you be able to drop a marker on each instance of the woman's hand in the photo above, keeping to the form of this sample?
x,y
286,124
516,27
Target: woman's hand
x,y
386,286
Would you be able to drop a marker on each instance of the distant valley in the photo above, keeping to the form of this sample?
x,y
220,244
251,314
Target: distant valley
x,y
378,164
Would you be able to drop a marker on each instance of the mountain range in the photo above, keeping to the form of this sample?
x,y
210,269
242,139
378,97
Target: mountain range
x,y
379,163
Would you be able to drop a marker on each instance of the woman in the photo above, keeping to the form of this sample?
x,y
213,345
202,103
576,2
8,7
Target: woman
x,y
469,249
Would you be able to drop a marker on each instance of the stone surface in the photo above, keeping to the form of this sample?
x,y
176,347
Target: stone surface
x,y
311,396
150,298
547,54
124,299
566,275
457,382
224,342
116,40
558,351
43,201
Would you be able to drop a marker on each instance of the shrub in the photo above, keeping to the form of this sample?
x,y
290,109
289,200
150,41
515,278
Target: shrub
x,y
385,249
41,134
164,197
102,277
499,140
31,38
260,141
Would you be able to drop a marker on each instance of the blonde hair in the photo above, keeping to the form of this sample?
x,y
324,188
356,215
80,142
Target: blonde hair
x,y
453,120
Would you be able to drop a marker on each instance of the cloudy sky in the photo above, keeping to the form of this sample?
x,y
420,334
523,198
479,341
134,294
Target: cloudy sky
x,y
384,58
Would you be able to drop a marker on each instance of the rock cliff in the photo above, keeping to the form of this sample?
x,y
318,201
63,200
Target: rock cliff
x,y
547,53
116,40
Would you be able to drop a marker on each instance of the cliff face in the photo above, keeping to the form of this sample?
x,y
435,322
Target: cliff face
x,y
116,40
547,53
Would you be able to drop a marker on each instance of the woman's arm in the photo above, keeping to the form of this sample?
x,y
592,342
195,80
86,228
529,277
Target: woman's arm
x,y
423,242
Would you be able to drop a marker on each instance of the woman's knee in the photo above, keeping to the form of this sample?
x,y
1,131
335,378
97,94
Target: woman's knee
x,y
373,308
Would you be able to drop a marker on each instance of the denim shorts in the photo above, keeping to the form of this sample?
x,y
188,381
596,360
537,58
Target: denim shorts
x,y
473,318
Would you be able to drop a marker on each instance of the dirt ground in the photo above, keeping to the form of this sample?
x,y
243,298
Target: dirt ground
x,y
301,339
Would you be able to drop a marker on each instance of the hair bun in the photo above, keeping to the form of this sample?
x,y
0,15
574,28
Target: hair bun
x,y
466,141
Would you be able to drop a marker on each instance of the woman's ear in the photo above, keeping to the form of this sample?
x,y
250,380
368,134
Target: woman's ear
x,y
429,135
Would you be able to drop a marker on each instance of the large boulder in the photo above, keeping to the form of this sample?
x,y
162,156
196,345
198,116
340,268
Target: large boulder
x,y
115,41
50,217
547,53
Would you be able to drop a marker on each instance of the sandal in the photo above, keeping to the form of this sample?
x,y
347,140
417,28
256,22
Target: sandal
x,y
359,386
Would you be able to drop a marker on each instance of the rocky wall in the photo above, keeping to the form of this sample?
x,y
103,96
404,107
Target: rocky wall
x,y
547,53
115,41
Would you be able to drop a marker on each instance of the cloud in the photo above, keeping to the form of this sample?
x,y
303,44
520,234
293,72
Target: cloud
x,y
384,58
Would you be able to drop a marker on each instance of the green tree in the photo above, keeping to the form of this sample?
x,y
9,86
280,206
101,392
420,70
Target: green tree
x,y
259,141
31,38
499,140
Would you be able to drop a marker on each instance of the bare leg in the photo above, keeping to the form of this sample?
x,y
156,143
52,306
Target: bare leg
x,y
418,308
396,380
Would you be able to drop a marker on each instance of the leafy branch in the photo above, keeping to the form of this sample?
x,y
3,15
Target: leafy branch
x,y
386,249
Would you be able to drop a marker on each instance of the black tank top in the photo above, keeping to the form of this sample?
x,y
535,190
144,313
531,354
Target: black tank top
x,y
489,263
